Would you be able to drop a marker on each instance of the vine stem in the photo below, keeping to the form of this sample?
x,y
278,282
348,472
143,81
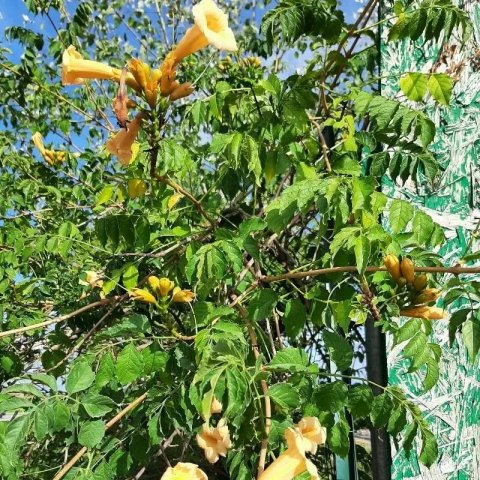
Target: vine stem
x,y
266,396
325,271
67,467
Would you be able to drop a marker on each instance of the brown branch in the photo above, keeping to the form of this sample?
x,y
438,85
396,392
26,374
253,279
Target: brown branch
x,y
66,468
323,143
325,271
60,319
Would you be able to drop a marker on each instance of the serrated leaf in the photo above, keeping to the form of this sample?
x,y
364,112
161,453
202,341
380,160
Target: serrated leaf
x,y
284,395
440,86
362,253
79,378
429,450
261,305
401,212
360,400
471,337
414,86
339,349
129,365
295,317
290,359
97,405
91,433
381,410
338,438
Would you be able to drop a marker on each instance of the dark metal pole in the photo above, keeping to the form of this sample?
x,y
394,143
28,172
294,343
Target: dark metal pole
x,y
377,372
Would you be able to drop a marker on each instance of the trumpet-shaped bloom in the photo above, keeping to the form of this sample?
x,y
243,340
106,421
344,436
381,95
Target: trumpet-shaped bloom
x,y
182,296
51,156
165,286
75,70
292,461
181,91
425,312
216,406
92,278
184,471
142,295
215,441
122,143
211,27
312,432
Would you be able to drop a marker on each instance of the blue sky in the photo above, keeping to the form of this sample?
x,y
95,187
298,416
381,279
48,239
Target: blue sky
x,y
14,12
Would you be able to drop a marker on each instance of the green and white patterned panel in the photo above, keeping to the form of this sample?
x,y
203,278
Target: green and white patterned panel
x,y
453,406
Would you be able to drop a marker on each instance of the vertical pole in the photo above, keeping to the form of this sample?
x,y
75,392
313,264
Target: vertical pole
x,y
377,372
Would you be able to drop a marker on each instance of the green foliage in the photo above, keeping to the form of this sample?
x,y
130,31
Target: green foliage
x,y
259,172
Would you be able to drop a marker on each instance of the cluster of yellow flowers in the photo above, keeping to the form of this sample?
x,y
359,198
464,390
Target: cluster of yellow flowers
x,y
210,27
51,156
164,292
301,439
403,272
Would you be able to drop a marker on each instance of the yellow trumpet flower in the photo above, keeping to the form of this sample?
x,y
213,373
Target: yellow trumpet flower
x,y
312,432
165,286
142,295
182,296
393,266
425,312
215,441
168,73
75,70
181,90
51,156
184,471
122,144
292,461
216,406
211,27
92,278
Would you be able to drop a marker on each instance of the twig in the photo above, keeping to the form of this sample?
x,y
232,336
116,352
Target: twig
x,y
323,143
326,271
66,468
268,407
60,319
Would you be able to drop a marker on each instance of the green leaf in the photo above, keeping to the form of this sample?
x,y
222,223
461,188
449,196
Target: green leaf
x,y
339,349
284,395
401,212
97,405
381,410
105,195
440,86
295,317
261,304
414,86
338,438
250,152
331,397
79,378
106,370
362,253
397,420
91,433
471,337
45,379
429,450
129,365
289,360
360,401
40,424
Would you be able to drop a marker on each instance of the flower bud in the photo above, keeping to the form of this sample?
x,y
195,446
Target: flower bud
x,y
153,282
425,312
164,286
428,295
420,282
408,269
393,266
